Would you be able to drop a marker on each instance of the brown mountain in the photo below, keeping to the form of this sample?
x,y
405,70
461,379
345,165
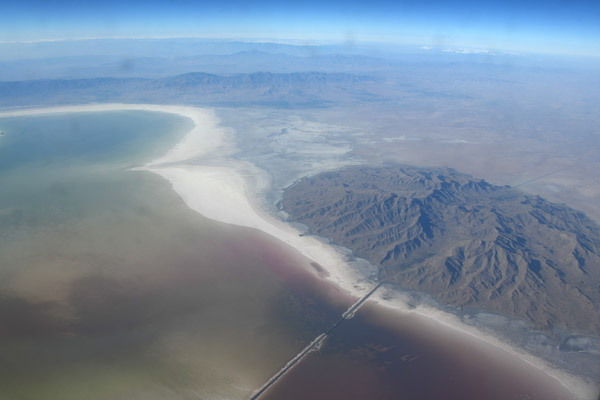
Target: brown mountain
x,y
466,242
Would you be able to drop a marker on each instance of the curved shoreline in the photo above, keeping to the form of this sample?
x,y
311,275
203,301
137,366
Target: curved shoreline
x,y
203,173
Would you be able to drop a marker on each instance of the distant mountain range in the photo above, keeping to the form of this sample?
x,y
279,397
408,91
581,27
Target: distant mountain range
x,y
156,66
276,89
464,241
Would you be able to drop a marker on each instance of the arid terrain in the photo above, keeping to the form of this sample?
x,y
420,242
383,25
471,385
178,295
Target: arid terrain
x,y
464,241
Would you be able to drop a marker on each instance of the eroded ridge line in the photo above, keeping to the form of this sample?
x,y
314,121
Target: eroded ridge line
x,y
315,344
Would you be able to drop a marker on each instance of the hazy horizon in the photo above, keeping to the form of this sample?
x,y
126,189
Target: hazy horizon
x,y
540,27
295,161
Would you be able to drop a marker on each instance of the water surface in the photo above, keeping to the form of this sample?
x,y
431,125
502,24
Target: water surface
x,y
110,287
382,354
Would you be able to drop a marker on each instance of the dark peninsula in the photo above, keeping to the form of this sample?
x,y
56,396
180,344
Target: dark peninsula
x,y
466,242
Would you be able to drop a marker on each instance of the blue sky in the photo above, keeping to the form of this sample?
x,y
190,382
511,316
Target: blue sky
x,y
565,27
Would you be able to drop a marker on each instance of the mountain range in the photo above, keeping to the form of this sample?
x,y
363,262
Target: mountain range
x,y
298,89
463,240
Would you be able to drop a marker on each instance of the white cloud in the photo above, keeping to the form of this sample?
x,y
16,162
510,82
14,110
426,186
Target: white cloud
x,y
469,51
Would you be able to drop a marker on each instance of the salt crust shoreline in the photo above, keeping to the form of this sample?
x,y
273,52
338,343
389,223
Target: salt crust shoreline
x,y
203,173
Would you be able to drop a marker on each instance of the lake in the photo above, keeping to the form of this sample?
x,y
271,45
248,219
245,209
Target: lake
x,y
110,287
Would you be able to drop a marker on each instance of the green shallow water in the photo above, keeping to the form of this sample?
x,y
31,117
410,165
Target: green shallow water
x,y
110,287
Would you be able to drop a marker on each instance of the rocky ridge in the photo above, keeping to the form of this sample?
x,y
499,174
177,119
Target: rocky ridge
x,y
466,242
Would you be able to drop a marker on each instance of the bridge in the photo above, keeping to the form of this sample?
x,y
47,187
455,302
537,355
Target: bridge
x,y
315,344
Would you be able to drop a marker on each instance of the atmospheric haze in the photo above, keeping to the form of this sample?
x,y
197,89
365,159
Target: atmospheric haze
x,y
204,202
